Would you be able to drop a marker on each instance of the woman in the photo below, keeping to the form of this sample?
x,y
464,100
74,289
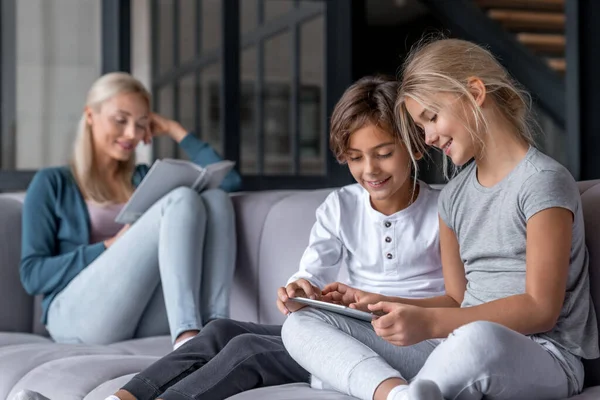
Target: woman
x,y
171,271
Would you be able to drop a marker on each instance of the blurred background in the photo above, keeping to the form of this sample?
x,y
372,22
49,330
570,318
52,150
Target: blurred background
x,y
258,79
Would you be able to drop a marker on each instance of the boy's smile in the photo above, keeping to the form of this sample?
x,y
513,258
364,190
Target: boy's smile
x,y
380,164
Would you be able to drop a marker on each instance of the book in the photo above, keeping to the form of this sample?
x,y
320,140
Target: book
x,y
166,175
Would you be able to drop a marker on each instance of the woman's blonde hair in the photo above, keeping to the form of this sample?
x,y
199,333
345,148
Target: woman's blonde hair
x,y
83,164
447,66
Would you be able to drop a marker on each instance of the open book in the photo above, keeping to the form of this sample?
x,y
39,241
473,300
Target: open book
x,y
168,174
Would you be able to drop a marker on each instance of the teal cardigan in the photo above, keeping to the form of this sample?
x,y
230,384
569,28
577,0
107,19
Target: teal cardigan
x,y
55,244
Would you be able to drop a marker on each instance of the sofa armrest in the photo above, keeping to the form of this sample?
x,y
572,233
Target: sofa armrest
x,y
16,306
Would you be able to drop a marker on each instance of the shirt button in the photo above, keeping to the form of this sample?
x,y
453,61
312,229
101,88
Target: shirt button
x,y
388,239
387,224
389,256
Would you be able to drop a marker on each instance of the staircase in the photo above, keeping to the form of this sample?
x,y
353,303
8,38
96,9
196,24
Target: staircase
x,y
538,24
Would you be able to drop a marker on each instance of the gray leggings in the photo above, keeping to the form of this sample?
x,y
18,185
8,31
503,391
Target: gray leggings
x,y
476,360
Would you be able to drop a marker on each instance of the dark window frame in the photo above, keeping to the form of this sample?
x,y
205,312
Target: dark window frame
x,y
337,52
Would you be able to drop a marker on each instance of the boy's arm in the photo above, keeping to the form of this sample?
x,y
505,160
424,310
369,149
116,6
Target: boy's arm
x,y
323,257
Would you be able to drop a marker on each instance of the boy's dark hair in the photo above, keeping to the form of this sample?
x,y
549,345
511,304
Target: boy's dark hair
x,y
370,100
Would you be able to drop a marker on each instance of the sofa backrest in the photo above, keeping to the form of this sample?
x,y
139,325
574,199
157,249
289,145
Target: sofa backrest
x,y
590,198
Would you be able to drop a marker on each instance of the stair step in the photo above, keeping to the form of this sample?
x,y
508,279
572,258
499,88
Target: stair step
x,y
547,5
557,64
516,19
543,42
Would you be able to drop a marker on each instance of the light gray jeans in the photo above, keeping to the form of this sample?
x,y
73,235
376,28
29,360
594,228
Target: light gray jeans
x,y
476,360
169,273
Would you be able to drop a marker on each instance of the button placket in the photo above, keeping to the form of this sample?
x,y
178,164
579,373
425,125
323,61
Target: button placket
x,y
389,255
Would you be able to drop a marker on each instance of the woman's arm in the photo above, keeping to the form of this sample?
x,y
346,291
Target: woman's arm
x,y
200,152
537,310
42,271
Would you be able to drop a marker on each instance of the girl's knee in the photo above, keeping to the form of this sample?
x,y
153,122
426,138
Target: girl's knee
x,y
293,326
479,345
480,333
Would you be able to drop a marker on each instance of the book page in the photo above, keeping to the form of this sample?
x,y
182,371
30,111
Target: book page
x,y
162,178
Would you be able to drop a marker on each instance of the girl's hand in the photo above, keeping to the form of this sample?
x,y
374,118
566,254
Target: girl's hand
x,y
402,324
350,297
160,126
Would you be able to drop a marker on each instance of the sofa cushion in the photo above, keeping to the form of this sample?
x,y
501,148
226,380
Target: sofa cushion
x,y
293,391
153,346
13,338
74,377
19,360
109,387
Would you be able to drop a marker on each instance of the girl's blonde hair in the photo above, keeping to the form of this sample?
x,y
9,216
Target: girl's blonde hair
x,y
446,66
83,164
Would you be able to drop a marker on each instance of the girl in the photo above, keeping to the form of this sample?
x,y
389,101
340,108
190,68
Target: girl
x,y
171,271
517,316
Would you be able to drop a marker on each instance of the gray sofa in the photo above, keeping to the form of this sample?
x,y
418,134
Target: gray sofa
x,y
272,229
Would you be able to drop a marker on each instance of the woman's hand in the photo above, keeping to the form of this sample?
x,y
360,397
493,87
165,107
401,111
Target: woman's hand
x,y
112,240
402,324
299,288
350,297
160,126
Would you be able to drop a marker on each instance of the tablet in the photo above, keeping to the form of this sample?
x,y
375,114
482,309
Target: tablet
x,y
336,308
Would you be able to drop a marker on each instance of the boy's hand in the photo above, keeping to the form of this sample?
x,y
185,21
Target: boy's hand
x,y
350,297
299,288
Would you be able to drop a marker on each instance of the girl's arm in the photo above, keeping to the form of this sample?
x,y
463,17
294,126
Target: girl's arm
x,y
537,310
454,275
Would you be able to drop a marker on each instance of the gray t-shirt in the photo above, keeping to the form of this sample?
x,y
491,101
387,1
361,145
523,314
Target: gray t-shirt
x,y
491,228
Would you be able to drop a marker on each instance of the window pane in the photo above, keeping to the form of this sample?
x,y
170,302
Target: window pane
x,y
210,107
248,130
187,30
313,137
278,158
187,105
248,15
211,24
165,36
164,145
276,8
57,61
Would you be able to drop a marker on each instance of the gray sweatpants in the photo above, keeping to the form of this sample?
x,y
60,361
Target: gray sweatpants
x,y
476,360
